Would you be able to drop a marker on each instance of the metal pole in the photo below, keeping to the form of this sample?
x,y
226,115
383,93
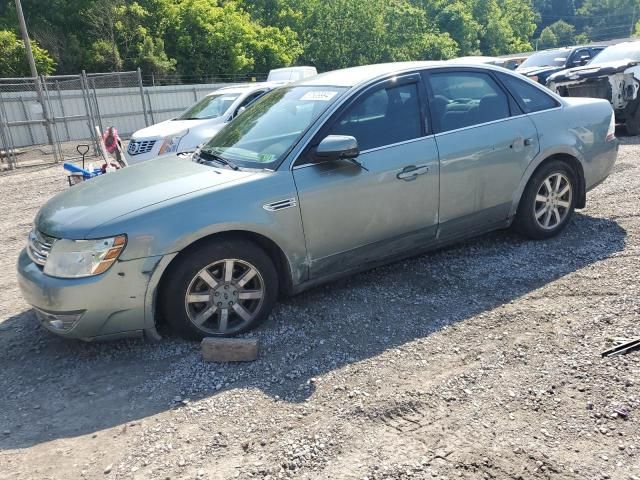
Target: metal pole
x,y
144,108
95,98
90,119
27,117
5,144
57,147
62,110
34,70
10,144
153,120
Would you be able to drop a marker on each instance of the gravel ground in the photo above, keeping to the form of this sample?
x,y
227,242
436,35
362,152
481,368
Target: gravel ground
x,y
478,361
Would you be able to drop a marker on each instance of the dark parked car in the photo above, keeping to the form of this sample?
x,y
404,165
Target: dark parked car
x,y
614,76
541,65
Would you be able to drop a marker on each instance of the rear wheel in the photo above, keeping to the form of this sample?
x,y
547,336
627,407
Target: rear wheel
x,y
220,289
548,201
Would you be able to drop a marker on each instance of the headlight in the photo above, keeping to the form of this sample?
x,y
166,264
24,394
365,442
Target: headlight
x,y
170,144
83,258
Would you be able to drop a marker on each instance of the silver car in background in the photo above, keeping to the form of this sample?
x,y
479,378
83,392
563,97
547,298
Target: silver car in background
x,y
319,179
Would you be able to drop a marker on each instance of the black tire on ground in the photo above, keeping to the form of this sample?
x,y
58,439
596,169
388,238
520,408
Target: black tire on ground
x,y
632,121
526,221
181,312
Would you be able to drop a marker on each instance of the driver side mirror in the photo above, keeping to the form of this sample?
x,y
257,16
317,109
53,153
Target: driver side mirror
x,y
337,147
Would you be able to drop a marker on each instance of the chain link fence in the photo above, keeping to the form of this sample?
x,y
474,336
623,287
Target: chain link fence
x,y
44,119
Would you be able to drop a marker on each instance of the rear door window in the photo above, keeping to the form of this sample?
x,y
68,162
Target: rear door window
x,y
464,99
531,98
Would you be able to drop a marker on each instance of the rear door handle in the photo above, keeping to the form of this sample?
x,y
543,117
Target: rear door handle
x,y
528,142
411,172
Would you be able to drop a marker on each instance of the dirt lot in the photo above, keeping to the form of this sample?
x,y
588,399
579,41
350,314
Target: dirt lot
x,y
479,361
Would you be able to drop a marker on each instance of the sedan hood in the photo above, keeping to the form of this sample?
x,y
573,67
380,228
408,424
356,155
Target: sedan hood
x,y
592,71
75,212
172,127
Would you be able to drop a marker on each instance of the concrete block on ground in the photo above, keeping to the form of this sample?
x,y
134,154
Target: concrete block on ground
x,y
229,349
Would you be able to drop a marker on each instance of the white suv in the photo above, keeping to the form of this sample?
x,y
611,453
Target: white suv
x,y
196,125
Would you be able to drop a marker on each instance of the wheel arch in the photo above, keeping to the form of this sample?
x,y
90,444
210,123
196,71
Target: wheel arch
x,y
271,248
568,158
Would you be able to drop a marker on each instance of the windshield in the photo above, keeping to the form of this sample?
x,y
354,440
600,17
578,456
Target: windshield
x,y
263,135
618,52
550,58
211,106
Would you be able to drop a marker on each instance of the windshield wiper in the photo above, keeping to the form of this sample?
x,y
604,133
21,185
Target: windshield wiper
x,y
220,159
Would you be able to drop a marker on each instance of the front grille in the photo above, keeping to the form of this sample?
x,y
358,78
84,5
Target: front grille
x,y
593,88
38,246
138,147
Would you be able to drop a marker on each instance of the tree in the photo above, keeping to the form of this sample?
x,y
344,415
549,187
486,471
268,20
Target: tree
x,y
208,38
14,57
547,39
560,33
456,18
344,33
103,56
605,19
506,25
153,59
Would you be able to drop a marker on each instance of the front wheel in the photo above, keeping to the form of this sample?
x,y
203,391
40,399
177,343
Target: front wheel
x,y
548,201
220,289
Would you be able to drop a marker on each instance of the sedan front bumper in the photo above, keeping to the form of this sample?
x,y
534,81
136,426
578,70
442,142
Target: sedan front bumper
x,y
110,305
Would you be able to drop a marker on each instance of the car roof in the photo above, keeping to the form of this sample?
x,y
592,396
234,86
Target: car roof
x,y
475,59
349,77
625,45
245,87
284,69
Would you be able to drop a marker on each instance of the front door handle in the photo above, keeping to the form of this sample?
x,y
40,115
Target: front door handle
x,y
411,172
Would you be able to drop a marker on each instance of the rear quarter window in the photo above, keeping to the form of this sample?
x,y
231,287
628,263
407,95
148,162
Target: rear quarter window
x,y
530,97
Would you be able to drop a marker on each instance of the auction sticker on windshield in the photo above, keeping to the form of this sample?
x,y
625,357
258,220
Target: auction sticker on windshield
x,y
320,95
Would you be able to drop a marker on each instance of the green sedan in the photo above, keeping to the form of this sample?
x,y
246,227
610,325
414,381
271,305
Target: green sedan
x,y
322,178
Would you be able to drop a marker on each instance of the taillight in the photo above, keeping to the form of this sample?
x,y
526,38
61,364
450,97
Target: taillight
x,y
611,133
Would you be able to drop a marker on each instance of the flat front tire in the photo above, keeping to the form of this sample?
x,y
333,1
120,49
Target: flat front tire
x,y
221,289
548,202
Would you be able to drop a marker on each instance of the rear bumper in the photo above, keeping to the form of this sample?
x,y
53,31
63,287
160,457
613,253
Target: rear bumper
x,y
111,305
600,168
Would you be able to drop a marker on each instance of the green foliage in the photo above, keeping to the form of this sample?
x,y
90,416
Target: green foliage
x,y
604,19
211,38
558,34
14,60
593,20
202,38
344,33
547,39
153,59
103,56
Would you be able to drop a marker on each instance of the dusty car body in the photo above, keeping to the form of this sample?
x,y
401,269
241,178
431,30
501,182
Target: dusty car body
x,y
319,179
614,76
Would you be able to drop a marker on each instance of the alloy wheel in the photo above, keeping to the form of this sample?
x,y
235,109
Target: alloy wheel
x,y
553,201
224,296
